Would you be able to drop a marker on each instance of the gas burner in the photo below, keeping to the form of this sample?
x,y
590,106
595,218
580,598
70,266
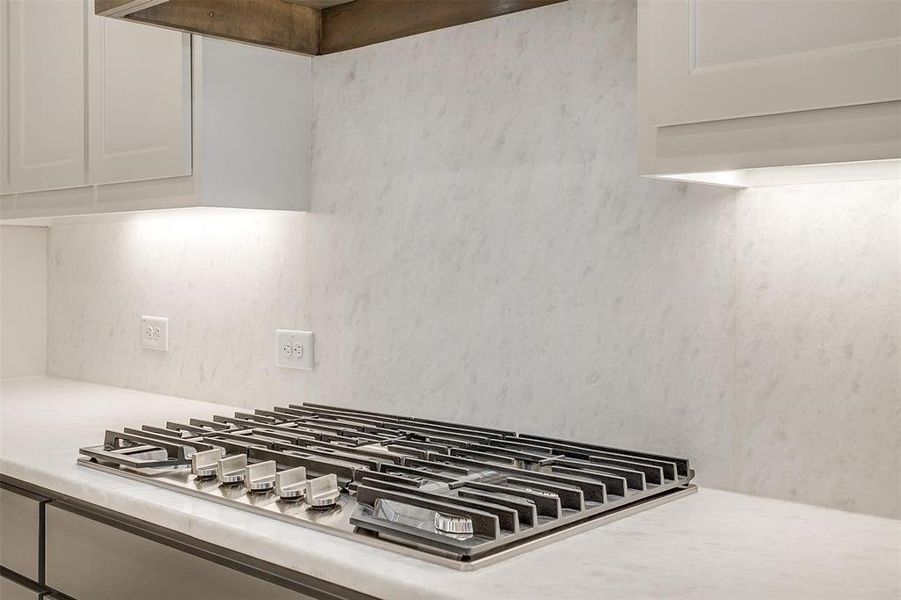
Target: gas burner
x,y
459,495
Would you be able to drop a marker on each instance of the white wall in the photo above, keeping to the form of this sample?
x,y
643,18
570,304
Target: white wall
x,y
226,279
818,330
23,301
481,250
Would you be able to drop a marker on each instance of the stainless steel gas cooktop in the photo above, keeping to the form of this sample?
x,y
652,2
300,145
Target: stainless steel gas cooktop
x,y
458,495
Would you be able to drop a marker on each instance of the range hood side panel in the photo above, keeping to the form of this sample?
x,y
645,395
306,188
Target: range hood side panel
x,y
256,127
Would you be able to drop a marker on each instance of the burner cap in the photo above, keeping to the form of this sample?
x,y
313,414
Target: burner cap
x,y
453,524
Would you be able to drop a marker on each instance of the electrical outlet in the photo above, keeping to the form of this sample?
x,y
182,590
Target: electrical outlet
x,y
155,333
294,349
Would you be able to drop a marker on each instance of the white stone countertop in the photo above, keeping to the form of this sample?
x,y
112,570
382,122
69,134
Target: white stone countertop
x,y
710,545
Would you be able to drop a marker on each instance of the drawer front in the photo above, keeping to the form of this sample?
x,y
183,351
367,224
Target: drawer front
x,y
90,560
13,590
20,521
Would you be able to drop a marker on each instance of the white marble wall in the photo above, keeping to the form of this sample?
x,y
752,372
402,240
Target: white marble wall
x,y
23,301
481,250
818,365
226,280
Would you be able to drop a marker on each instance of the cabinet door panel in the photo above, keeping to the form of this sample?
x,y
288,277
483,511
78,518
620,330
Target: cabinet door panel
x,y
89,559
20,522
721,59
47,92
4,96
139,101
13,590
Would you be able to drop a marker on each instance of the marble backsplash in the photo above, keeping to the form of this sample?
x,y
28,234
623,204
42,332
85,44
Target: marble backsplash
x,y
480,249
226,281
23,301
817,358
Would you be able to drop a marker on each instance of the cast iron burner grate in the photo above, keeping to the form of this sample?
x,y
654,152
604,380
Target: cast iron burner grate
x,y
458,495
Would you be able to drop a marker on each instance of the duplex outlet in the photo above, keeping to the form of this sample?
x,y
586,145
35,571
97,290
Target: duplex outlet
x,y
155,333
294,349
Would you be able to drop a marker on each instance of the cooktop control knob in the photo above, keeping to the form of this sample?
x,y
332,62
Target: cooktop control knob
x,y
260,477
323,492
203,464
291,484
453,524
230,469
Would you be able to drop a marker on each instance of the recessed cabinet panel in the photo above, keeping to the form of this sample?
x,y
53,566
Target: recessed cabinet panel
x,y
724,59
20,524
46,94
14,590
89,559
139,101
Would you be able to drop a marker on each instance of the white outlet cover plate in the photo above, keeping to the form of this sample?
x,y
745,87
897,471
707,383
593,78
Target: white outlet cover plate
x,y
155,333
294,349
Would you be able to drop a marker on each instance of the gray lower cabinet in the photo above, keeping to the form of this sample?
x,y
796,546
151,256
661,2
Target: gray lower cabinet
x,y
20,522
90,560
19,590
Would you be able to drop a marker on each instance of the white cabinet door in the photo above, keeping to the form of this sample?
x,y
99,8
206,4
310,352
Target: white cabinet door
x,y
4,96
139,101
46,94
721,59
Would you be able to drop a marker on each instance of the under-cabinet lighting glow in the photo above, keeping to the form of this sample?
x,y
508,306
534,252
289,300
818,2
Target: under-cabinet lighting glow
x,y
769,176
183,215
735,179
241,245
209,225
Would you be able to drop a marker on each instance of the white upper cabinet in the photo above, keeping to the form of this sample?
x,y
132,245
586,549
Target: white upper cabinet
x,y
139,82
46,94
109,116
130,109
735,58
4,97
737,84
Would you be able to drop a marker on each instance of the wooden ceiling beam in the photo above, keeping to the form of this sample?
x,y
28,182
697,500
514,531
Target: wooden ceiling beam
x,y
311,26
121,8
364,22
271,23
